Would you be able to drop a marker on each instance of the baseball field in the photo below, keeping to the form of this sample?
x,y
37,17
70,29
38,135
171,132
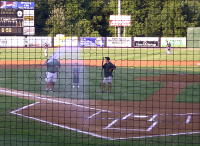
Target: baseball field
x,y
155,99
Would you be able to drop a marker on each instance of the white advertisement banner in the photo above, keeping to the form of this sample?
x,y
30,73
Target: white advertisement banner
x,y
28,20
120,17
119,41
120,20
29,13
38,41
29,31
119,23
14,41
28,23
174,41
65,41
146,38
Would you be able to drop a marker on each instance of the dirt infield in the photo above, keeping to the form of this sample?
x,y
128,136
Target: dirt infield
x,y
159,115
124,63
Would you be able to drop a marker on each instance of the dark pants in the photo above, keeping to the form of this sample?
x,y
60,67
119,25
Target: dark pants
x,y
75,78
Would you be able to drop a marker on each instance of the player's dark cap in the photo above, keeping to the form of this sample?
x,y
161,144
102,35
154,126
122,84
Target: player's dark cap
x,y
107,58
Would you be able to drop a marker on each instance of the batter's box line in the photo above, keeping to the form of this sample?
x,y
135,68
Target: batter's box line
x,y
77,130
152,119
90,133
25,107
55,124
47,99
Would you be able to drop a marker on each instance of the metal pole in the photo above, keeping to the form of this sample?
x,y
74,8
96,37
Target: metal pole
x,y
119,13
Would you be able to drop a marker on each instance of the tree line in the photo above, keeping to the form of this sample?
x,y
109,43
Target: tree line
x,y
91,17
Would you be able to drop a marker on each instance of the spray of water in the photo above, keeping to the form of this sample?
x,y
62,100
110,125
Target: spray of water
x,y
71,80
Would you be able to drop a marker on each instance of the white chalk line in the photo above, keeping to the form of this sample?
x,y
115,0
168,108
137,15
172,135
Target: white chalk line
x,y
160,135
154,123
188,119
126,116
153,118
47,99
27,106
84,132
112,123
63,126
94,114
51,123
152,126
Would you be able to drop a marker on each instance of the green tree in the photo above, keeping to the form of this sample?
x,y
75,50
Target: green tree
x,y
191,13
42,15
138,9
98,13
173,23
153,22
91,17
71,19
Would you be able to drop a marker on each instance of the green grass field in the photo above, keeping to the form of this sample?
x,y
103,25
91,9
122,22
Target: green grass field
x,y
98,53
23,53
15,130
18,131
125,85
143,54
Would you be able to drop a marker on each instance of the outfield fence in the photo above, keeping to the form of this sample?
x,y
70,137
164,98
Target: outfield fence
x,y
102,42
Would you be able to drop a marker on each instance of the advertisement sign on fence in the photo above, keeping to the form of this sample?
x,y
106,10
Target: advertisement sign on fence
x,y
38,41
119,41
175,41
61,40
92,42
14,41
146,42
29,31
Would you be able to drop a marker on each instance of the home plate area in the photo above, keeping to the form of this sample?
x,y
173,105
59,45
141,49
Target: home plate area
x,y
110,124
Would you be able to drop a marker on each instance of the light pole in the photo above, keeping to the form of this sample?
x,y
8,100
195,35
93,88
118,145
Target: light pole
x,y
119,13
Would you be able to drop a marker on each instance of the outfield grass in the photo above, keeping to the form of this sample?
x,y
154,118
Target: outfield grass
x,y
18,131
115,54
143,54
23,53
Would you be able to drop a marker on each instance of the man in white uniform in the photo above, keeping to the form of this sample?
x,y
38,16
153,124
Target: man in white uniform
x,y
46,50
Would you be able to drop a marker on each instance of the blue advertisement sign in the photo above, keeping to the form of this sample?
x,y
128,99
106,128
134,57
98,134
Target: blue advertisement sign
x,y
92,42
26,5
16,5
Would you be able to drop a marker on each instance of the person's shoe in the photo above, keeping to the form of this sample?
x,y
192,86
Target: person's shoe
x,y
51,90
